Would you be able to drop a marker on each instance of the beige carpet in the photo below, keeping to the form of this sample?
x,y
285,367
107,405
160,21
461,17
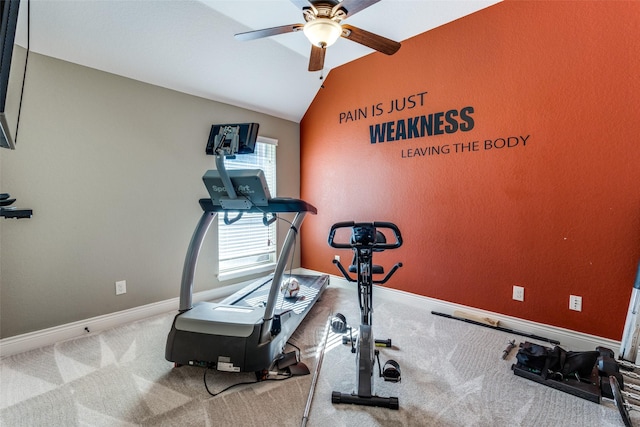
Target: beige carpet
x,y
452,375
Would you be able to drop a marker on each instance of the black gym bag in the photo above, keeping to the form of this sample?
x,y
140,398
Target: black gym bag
x,y
557,362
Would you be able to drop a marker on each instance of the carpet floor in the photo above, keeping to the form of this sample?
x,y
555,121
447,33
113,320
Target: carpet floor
x,y
452,375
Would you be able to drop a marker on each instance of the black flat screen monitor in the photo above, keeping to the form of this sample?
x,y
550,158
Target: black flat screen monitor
x,y
8,119
222,139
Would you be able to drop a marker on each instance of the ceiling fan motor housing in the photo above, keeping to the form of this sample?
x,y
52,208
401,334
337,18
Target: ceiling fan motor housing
x,y
323,9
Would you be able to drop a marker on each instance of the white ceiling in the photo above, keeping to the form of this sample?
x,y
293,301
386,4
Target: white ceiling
x,y
188,45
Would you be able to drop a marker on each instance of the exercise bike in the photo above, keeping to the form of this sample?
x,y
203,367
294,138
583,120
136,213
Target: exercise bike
x,y
365,240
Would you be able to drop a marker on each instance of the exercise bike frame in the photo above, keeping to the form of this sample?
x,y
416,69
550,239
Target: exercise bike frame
x,y
365,345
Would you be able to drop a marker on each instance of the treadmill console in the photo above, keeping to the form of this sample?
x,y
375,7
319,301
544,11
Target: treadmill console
x,y
250,186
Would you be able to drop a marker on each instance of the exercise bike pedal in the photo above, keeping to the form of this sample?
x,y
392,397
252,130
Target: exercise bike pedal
x,y
384,343
391,371
339,324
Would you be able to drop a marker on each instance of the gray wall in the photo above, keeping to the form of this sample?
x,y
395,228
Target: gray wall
x,y
112,169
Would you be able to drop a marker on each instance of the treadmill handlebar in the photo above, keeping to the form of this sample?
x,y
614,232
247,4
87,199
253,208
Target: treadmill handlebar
x,y
275,205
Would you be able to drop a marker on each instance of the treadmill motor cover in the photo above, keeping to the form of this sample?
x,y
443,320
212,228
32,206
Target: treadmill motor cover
x,y
220,319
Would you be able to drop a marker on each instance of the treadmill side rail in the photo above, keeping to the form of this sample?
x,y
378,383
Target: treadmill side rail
x,y
191,259
288,245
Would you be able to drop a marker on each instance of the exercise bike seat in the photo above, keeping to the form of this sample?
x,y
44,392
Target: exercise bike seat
x,y
377,269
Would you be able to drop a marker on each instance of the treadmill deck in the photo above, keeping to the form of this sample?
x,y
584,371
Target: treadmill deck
x,y
238,314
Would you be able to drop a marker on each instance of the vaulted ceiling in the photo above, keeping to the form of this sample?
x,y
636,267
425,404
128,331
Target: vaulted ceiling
x,y
189,45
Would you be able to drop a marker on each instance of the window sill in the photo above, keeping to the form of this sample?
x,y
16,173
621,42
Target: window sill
x,y
240,273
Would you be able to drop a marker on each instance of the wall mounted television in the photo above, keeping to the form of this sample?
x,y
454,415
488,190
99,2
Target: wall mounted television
x,y
11,73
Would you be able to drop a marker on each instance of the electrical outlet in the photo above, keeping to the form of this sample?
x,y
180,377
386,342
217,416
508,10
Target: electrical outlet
x,y
518,293
575,303
336,257
121,287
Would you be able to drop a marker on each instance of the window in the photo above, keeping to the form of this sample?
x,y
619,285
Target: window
x,y
248,246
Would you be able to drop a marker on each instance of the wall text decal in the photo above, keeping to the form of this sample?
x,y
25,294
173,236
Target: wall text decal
x,y
420,126
467,147
408,102
425,125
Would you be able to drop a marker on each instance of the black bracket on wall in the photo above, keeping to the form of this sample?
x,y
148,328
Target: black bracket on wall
x,y
7,211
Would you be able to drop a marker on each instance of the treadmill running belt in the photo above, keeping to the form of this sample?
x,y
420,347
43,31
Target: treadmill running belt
x,y
309,288
306,296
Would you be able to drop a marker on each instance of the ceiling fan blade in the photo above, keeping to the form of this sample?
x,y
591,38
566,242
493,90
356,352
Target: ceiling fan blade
x,y
301,4
374,41
316,59
354,6
266,32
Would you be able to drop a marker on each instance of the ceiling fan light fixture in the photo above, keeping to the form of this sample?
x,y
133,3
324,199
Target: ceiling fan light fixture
x,y
322,32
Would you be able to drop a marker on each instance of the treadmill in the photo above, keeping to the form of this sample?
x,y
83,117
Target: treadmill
x,y
247,331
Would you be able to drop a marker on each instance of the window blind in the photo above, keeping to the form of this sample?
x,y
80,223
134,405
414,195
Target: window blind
x,y
248,244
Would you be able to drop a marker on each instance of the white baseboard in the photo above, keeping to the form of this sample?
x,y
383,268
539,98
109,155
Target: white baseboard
x,y
32,340
569,340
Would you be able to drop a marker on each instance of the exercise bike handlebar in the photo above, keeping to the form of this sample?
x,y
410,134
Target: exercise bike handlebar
x,y
343,271
375,245
388,276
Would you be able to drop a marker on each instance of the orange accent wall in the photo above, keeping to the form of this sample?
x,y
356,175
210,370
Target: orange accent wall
x,y
557,213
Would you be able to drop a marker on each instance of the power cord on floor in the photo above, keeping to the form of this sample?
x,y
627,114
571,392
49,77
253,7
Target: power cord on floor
x,y
265,377
283,377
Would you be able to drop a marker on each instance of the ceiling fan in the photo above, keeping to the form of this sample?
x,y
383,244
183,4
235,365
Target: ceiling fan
x,y
323,26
